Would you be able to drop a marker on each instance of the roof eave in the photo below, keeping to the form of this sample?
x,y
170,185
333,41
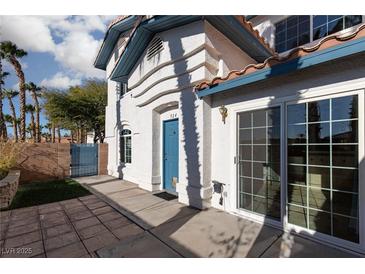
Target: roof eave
x,y
240,36
228,25
333,53
140,39
110,38
250,17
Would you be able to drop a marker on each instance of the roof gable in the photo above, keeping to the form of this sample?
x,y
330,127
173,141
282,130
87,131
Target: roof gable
x,y
116,28
235,28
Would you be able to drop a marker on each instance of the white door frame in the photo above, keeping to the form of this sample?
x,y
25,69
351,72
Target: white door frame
x,y
250,106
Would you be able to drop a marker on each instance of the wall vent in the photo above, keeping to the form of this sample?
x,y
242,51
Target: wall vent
x,y
155,47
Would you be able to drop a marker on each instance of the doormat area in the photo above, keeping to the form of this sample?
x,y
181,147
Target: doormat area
x,y
166,196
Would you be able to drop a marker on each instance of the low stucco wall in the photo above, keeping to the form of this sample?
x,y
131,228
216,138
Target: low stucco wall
x,y
8,188
42,162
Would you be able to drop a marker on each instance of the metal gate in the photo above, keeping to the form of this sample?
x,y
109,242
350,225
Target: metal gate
x,y
84,160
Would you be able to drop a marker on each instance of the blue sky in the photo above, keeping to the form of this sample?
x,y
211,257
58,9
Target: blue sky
x,y
61,50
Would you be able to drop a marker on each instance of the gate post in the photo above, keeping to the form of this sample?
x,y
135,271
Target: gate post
x,y
103,159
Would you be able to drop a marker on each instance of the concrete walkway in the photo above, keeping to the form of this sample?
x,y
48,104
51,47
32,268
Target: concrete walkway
x,y
171,229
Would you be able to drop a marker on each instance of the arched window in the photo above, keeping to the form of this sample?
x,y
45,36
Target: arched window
x,y
126,146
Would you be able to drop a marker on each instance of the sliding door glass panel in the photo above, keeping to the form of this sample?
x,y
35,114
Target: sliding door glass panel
x,y
259,161
322,153
297,175
297,215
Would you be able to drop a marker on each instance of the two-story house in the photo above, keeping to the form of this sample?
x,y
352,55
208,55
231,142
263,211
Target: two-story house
x,y
262,116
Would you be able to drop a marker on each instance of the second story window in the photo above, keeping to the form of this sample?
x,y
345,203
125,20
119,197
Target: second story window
x,y
295,30
324,25
292,32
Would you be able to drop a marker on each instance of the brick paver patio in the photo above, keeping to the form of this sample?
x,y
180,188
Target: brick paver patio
x,y
71,228
121,220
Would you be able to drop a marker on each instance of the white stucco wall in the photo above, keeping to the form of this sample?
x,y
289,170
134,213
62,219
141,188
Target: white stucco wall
x,y
333,77
232,57
160,89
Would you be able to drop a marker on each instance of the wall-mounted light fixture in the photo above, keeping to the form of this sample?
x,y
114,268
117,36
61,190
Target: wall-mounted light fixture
x,y
224,112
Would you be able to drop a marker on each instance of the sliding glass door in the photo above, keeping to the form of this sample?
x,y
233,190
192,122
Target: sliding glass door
x,y
259,162
321,171
322,166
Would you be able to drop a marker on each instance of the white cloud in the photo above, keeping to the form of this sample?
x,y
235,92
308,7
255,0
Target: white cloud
x,y
28,32
24,65
78,23
15,86
77,51
73,46
60,81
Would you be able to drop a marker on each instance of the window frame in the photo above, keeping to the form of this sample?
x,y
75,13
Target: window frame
x,y
260,105
252,161
310,31
307,164
285,41
125,133
312,95
122,89
361,175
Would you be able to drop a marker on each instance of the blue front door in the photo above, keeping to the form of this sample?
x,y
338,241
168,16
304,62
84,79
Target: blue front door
x,y
170,154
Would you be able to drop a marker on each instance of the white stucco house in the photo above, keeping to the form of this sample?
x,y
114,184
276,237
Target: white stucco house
x,y
260,116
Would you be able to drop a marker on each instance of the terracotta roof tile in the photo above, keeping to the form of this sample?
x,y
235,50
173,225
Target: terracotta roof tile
x,y
324,43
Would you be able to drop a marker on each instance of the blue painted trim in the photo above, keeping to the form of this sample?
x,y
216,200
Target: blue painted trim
x,y
141,38
110,39
316,58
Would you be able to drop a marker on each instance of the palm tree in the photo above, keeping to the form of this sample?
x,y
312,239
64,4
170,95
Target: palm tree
x,y
35,92
41,127
31,110
10,94
53,133
29,130
2,77
12,53
59,133
8,119
46,136
49,127
18,124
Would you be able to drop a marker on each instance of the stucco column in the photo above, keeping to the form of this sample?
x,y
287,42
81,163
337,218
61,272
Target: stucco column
x,y
156,182
194,185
